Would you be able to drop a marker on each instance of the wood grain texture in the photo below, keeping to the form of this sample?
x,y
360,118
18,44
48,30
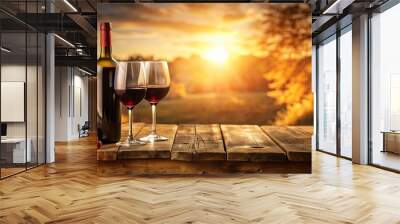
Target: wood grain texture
x,y
71,191
107,152
177,167
210,145
211,142
295,141
308,130
185,140
198,142
250,143
156,150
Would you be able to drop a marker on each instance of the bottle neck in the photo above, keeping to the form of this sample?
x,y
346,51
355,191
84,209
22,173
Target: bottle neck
x,y
105,43
105,52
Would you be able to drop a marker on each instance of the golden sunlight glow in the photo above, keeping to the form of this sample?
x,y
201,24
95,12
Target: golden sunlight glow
x,y
218,54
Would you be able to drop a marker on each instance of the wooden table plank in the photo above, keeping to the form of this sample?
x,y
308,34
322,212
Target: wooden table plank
x,y
183,143
210,144
109,152
295,141
156,150
250,143
198,142
303,131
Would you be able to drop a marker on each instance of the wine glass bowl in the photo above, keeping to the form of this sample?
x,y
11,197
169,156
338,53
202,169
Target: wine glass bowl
x,y
130,88
158,84
156,93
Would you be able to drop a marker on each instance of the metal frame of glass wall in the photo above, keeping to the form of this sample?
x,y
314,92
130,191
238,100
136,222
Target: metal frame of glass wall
x,y
335,36
34,64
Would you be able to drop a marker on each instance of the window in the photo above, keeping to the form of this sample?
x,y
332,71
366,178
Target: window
x,y
385,89
345,92
326,60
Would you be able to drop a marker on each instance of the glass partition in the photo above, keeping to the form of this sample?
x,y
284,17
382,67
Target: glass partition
x,y
41,97
13,95
327,95
22,91
32,98
385,89
346,92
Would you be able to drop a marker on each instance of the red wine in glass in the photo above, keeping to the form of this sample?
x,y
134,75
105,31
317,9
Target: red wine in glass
x,y
130,88
156,93
158,82
131,97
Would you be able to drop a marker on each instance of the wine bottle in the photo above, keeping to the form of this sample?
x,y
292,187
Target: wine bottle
x,y
108,107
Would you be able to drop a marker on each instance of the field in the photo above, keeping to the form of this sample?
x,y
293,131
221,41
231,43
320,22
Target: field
x,y
231,108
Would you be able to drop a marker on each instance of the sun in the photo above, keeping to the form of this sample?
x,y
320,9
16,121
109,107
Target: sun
x,y
218,54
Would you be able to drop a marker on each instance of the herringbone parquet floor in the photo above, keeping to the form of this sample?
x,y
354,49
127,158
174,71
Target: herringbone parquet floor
x,y
70,191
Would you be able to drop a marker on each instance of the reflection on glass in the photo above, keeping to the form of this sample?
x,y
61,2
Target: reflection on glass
x,y
41,99
22,91
32,99
327,96
14,153
346,94
385,89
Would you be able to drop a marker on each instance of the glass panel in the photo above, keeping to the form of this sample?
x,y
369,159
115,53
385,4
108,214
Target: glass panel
x,y
31,99
13,86
41,98
327,96
22,88
385,84
346,94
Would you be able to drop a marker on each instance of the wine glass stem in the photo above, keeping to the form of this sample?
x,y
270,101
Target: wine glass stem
x,y
130,136
153,126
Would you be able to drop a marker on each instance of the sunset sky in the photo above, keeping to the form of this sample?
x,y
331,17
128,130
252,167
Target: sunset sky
x,y
215,32
230,50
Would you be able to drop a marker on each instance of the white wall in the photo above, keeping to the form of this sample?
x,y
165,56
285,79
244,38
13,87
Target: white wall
x,y
71,102
33,127
16,73
61,103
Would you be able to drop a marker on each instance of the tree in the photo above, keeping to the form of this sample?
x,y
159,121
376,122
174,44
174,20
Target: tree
x,y
287,41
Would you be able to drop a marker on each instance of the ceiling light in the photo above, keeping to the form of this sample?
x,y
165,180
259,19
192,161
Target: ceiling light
x,y
70,5
5,50
64,40
84,71
337,7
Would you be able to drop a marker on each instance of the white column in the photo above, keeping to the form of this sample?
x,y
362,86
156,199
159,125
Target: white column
x,y
50,100
360,90
50,92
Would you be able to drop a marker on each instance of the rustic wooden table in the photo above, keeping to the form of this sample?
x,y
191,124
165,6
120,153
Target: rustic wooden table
x,y
205,148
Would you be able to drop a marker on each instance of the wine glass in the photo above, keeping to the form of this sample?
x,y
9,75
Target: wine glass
x,y
130,87
158,82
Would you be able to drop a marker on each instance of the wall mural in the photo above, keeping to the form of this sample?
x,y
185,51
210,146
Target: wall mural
x,y
229,63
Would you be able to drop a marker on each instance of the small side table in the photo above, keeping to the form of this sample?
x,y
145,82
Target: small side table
x,y
391,141
14,150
